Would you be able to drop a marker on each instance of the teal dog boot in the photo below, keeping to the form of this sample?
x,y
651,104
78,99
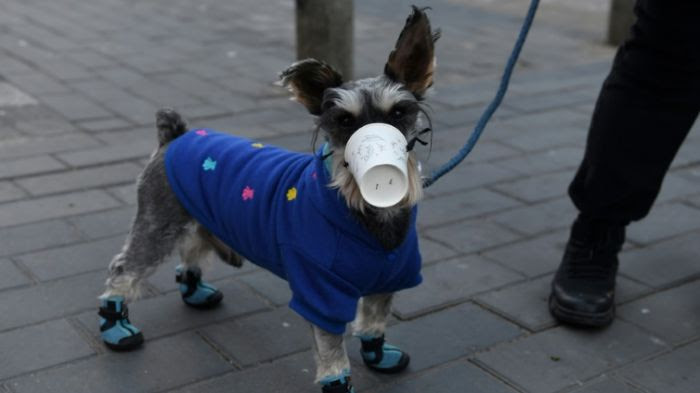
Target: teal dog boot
x,y
337,384
383,357
116,330
195,292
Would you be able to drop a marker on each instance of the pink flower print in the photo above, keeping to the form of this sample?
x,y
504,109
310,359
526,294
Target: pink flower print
x,y
201,132
314,175
248,193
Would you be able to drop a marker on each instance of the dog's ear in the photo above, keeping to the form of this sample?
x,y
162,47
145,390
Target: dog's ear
x,y
413,59
307,80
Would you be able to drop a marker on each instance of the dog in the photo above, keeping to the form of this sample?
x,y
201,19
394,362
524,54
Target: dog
x,y
301,216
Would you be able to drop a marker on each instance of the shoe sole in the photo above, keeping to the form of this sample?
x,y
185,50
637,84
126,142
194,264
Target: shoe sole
x,y
211,302
127,344
578,318
403,363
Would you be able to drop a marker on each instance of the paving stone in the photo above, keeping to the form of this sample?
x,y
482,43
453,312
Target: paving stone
x,y
468,176
665,263
104,125
532,103
455,207
261,337
46,124
29,305
39,346
547,138
22,212
269,286
432,251
472,235
37,236
164,315
671,314
74,106
678,185
161,364
451,282
295,373
527,303
455,377
112,153
538,218
675,372
549,160
453,333
562,357
664,221
38,83
29,166
24,147
607,386
81,179
10,276
72,260
537,188
105,223
126,194
532,257
12,96
10,192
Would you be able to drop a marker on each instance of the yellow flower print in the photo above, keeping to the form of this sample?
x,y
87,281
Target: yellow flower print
x,y
292,194
258,145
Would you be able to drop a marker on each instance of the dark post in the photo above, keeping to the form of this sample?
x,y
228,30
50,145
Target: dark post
x,y
620,21
325,32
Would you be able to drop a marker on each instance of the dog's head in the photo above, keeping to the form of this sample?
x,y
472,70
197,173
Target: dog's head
x,y
394,97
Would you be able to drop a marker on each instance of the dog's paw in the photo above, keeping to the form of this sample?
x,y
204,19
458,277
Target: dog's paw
x,y
195,292
382,357
115,328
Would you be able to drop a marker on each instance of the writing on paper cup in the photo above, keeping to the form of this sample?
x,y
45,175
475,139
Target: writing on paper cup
x,y
377,158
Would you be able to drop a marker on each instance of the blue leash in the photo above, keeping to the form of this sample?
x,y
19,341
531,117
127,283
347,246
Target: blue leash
x,y
486,116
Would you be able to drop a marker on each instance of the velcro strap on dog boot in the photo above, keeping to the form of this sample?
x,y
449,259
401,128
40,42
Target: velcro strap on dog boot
x,y
116,330
382,357
337,384
195,292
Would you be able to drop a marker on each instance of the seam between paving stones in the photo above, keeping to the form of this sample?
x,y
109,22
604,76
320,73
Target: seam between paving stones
x,y
213,345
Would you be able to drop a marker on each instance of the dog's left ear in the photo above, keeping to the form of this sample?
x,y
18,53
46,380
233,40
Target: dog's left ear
x,y
413,59
307,80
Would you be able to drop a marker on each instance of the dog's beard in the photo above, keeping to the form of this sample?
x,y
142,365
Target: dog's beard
x,y
343,180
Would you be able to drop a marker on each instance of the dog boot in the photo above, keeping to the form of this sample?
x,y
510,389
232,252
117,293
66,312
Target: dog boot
x,y
116,330
195,292
383,357
337,384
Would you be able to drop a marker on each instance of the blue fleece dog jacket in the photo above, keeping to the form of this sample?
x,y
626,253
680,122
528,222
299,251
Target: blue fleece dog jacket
x,y
274,207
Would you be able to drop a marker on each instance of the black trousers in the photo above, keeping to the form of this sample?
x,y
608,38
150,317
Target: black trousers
x,y
646,107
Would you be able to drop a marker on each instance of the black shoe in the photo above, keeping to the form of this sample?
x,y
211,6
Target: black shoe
x,y
583,290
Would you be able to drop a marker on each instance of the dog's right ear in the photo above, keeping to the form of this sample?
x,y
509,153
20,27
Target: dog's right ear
x,y
307,80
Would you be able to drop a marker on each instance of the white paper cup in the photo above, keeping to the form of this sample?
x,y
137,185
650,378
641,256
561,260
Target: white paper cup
x,y
377,158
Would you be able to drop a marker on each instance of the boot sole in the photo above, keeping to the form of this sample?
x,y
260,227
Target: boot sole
x,y
127,344
578,318
211,302
403,363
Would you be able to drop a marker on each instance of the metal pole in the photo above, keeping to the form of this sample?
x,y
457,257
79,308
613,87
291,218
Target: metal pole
x,y
325,32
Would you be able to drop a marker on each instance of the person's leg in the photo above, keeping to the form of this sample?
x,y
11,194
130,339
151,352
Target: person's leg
x,y
645,109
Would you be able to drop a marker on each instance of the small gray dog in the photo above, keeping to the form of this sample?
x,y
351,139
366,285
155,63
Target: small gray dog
x,y
301,216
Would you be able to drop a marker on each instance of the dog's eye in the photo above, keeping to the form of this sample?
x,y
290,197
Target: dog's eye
x,y
397,113
345,120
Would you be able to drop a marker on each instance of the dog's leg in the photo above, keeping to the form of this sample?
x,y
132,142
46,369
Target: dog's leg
x,y
194,250
332,363
369,326
159,224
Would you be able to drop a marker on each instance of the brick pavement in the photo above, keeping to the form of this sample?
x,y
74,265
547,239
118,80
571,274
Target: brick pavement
x,y
79,84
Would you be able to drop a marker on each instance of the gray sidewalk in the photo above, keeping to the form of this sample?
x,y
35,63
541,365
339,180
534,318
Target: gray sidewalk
x,y
80,82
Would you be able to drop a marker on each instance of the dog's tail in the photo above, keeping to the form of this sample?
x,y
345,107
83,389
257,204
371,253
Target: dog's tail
x,y
170,125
